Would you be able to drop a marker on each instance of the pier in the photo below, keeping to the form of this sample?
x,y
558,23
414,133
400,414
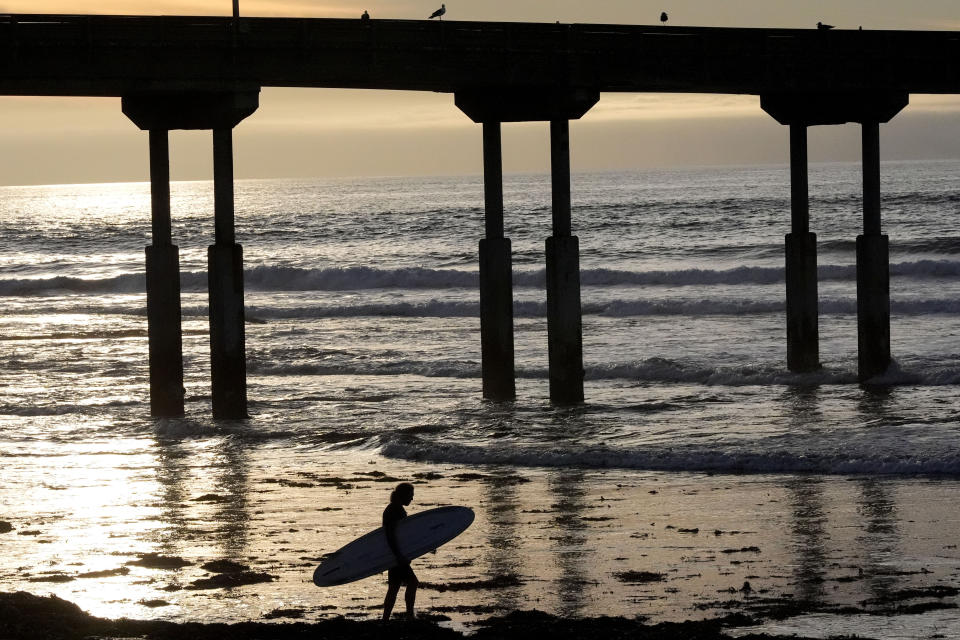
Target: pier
x,y
206,73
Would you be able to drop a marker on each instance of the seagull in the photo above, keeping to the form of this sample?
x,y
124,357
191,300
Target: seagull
x,y
439,12
663,16
824,27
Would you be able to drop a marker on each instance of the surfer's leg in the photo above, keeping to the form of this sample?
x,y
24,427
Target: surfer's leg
x,y
410,595
392,589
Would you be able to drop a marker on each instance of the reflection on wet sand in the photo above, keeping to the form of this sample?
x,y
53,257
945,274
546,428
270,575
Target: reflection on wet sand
x,y
503,552
569,538
172,481
809,532
809,519
880,537
224,488
231,482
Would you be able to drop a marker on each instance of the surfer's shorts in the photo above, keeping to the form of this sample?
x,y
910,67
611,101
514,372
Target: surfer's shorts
x,y
402,574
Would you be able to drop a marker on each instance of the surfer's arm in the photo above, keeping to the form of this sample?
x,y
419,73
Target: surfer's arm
x,y
390,529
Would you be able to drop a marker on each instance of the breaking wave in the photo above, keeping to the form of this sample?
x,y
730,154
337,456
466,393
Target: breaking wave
x,y
651,370
272,278
839,461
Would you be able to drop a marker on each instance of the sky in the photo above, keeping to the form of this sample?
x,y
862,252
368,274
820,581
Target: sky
x,y
302,133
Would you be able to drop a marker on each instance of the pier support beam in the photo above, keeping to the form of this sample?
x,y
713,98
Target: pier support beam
x,y
873,271
163,290
564,322
496,278
228,365
558,105
873,268
160,111
803,350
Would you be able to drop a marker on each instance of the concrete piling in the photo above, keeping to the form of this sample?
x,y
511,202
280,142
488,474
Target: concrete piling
x,y
496,278
228,368
564,321
558,105
801,264
801,110
158,112
873,268
163,290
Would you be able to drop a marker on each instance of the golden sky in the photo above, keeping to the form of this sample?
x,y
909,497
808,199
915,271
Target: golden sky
x,y
319,132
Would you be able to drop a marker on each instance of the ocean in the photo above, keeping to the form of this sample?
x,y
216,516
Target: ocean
x,y
363,352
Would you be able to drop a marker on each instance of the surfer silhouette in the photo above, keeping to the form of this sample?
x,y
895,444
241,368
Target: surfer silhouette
x,y
401,574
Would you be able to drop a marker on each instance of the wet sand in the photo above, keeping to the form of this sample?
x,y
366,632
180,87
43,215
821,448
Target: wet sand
x,y
23,615
609,549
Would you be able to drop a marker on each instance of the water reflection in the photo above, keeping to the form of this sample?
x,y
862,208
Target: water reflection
x,y
874,403
231,482
880,536
809,519
808,528
569,539
877,523
503,554
172,480
209,476
803,408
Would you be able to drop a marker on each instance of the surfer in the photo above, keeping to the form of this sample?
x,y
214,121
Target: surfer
x,y
401,574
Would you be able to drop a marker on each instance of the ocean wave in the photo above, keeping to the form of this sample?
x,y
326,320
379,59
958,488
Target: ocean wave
x,y
611,308
681,458
63,409
272,278
616,308
651,370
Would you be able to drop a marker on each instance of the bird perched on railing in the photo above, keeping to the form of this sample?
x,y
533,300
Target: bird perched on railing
x,y
663,16
824,27
439,12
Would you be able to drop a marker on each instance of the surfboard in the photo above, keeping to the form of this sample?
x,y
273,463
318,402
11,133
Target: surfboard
x,y
370,554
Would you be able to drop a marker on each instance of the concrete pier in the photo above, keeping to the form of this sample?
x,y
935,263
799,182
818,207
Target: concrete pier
x,y
564,321
873,268
496,278
228,366
803,341
163,290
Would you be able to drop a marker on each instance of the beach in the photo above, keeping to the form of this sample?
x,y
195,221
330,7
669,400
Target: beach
x,y
571,543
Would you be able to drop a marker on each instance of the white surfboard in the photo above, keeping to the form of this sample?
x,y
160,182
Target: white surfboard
x,y
369,554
